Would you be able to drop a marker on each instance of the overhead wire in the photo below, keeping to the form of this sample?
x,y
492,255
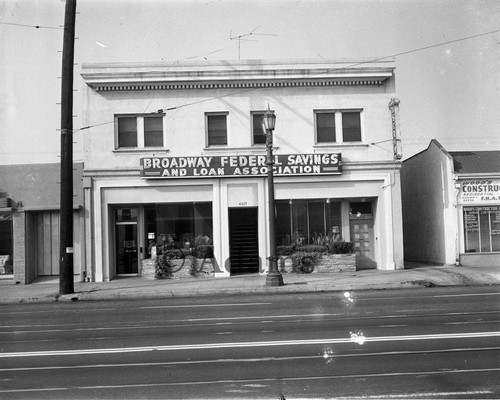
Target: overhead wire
x,y
31,26
422,48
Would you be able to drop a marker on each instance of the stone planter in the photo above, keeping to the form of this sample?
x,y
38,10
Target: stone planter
x,y
182,268
336,263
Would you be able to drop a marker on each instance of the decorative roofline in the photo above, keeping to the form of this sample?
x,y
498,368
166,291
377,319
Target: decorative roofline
x,y
232,85
234,75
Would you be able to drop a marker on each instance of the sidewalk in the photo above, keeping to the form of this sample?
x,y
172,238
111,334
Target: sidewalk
x,y
47,289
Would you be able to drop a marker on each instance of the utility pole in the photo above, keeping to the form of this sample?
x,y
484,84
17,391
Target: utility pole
x,y
66,284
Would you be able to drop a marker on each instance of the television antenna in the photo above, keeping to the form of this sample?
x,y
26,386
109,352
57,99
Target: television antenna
x,y
245,37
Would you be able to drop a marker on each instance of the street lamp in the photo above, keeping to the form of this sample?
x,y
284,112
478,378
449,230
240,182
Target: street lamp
x,y
273,278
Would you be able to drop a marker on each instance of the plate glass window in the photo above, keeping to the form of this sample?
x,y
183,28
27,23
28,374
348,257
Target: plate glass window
x,y
216,129
482,229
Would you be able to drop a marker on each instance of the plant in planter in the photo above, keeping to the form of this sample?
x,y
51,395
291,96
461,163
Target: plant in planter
x,y
340,247
305,261
328,253
203,247
166,253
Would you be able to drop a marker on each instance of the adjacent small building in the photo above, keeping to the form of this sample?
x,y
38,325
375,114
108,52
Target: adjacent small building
x,y
176,150
451,206
29,221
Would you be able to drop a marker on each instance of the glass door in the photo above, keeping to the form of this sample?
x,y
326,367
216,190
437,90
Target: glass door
x,y
126,246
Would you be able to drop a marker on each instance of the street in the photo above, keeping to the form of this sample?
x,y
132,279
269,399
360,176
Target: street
x,y
436,343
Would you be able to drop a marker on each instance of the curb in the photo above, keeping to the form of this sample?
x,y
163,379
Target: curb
x,y
288,289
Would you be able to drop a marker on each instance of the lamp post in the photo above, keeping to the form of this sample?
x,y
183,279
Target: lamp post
x,y
273,278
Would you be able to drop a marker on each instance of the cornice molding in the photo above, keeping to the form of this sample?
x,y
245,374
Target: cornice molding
x,y
236,75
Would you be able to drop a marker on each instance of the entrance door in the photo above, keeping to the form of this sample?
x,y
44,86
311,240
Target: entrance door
x,y
243,240
362,237
126,241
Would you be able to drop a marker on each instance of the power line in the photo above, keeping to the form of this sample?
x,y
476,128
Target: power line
x,y
31,26
318,74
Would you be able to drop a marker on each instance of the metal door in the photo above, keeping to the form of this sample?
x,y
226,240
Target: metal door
x,y
243,240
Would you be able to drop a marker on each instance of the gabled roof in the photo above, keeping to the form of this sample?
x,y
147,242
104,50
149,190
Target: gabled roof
x,y
476,162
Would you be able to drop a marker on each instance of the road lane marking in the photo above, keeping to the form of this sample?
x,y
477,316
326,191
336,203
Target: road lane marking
x,y
245,320
209,305
248,381
467,294
204,346
261,316
448,395
250,360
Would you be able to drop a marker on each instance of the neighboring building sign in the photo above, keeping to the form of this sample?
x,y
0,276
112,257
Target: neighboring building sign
x,y
480,191
237,166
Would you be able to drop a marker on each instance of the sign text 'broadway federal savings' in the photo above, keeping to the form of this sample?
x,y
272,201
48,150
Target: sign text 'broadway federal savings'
x,y
242,165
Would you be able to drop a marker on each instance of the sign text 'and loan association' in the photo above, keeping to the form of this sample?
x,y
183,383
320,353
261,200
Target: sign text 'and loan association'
x,y
241,165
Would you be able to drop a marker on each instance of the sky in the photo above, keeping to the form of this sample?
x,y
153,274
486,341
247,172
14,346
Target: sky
x,y
447,57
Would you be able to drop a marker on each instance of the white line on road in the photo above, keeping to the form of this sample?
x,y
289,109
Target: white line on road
x,y
259,381
249,360
204,346
466,295
446,395
210,305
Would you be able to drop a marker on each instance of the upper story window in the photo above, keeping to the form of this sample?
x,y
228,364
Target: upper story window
x,y
216,126
338,126
258,136
139,131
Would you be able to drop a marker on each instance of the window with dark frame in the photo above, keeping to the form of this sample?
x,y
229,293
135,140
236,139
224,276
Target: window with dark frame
x,y
153,131
216,129
325,127
258,134
127,132
351,126
138,131
339,126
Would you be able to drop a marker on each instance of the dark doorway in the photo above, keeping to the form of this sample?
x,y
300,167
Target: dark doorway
x,y
126,241
243,241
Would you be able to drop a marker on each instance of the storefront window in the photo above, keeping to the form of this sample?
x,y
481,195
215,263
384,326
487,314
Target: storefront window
x,y
5,243
482,229
179,223
299,221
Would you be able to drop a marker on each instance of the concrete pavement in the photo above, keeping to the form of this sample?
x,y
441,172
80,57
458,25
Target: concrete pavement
x,y
47,289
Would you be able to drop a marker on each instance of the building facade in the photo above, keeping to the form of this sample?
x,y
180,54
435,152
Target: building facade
x,y
451,206
177,151
29,221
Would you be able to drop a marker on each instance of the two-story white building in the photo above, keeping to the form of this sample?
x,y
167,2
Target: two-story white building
x,y
177,150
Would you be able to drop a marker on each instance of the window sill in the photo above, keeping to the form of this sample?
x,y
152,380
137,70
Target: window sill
x,y
142,150
338,145
255,149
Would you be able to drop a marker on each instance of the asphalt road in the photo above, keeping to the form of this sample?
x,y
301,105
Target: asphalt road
x,y
436,343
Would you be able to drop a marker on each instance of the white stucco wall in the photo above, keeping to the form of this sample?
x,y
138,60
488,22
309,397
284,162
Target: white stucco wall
x,y
429,210
368,167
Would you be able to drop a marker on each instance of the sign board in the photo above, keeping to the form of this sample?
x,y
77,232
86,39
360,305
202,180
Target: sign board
x,y
485,191
240,166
